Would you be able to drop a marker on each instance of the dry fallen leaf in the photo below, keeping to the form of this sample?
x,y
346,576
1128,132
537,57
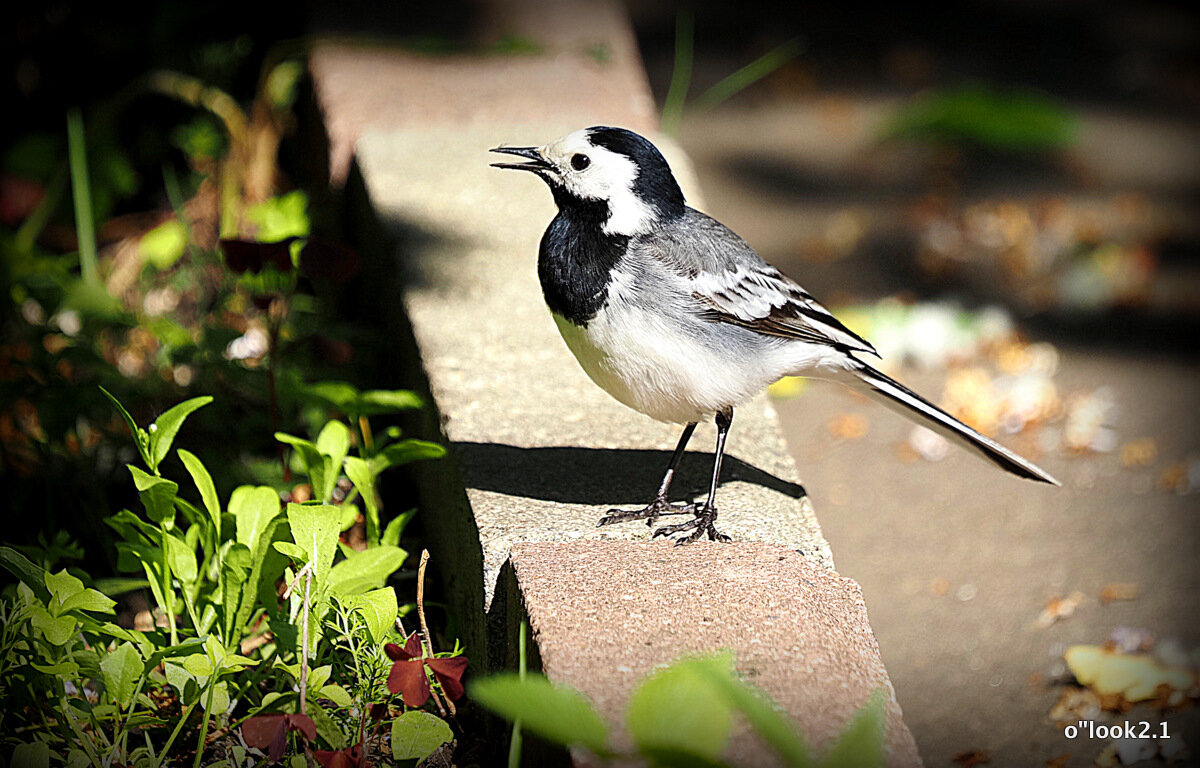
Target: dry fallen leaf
x,y
1132,676
1059,608
1076,704
1058,762
1139,453
971,758
1118,590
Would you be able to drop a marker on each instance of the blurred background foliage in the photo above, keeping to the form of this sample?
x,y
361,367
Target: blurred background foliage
x,y
127,236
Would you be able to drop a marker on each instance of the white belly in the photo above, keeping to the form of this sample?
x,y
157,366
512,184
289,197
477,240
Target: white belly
x,y
634,356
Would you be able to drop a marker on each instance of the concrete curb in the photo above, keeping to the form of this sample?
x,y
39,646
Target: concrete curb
x,y
538,452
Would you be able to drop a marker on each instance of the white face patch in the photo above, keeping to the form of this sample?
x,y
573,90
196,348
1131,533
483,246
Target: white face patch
x,y
608,176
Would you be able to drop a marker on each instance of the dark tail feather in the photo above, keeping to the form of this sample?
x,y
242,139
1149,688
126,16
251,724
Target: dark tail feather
x,y
909,404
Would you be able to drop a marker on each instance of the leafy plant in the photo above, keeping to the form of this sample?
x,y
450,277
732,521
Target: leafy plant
x,y
681,715
227,651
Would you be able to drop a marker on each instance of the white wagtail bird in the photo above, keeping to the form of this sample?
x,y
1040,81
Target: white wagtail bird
x,y
675,316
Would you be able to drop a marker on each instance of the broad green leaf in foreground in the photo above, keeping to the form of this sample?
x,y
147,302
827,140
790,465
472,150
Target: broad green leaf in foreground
x,y
860,745
556,713
680,710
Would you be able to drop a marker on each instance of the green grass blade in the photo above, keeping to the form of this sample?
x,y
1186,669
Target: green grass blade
x,y
749,74
681,75
85,228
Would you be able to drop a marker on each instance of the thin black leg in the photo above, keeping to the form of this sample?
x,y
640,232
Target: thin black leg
x,y
660,506
704,522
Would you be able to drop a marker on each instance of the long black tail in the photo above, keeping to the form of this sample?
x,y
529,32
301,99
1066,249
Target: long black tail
x,y
902,400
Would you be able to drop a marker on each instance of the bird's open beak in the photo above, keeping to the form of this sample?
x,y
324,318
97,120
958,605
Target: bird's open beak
x,y
536,161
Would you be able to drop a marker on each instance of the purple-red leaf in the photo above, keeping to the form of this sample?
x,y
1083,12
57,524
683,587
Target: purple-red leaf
x,y
449,673
407,678
411,649
252,256
350,757
328,261
269,732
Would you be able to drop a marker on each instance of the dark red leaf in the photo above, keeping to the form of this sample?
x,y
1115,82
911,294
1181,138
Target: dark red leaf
x,y
449,673
350,757
303,725
252,256
328,261
267,732
379,711
411,649
407,678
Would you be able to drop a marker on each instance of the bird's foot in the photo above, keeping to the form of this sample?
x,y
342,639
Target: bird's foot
x,y
703,524
650,513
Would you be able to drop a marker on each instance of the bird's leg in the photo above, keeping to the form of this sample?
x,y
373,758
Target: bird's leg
x,y
704,522
660,505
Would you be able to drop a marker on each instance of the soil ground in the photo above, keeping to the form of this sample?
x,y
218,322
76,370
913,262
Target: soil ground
x,y
956,559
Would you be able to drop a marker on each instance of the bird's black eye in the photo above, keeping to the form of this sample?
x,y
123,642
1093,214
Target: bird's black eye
x,y
579,162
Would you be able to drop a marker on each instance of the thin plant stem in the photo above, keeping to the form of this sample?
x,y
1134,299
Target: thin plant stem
x,y
681,74
515,743
426,643
85,228
212,687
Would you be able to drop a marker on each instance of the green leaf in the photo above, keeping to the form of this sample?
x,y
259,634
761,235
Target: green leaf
x,y
558,714
235,569
314,463
376,401
163,245
253,507
348,516
416,735
199,665
267,566
120,585
679,710
204,484
62,585
122,669
140,437
166,426
32,576
182,559
67,670
34,754
404,452
391,534
315,528
297,553
378,609
337,694
220,698
88,600
326,728
860,745
157,495
333,444
339,395
365,570
764,716
359,472
58,630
